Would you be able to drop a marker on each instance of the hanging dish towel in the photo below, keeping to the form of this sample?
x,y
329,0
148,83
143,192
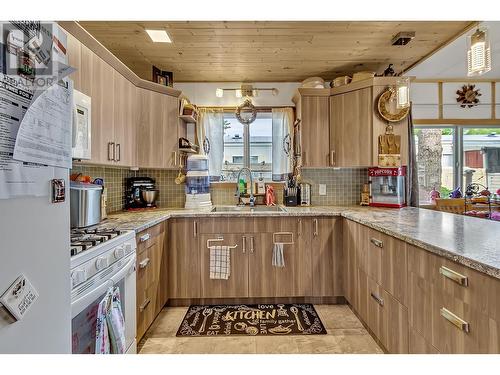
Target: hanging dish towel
x,y
102,344
278,257
116,323
220,262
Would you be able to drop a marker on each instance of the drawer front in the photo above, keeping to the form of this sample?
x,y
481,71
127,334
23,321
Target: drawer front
x,y
454,308
386,263
145,269
147,237
145,313
418,345
387,318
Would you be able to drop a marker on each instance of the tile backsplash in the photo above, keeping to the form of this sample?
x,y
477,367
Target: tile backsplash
x,y
171,195
343,186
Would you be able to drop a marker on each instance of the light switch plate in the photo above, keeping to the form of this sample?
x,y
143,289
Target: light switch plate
x,y
322,189
19,297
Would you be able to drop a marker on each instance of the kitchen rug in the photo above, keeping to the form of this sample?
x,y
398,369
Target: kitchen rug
x,y
251,320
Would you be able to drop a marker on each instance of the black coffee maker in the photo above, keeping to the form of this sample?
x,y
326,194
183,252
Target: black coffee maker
x,y
134,197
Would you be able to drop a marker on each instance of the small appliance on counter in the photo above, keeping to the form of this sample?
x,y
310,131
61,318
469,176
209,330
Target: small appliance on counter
x,y
305,194
387,187
197,183
85,204
141,193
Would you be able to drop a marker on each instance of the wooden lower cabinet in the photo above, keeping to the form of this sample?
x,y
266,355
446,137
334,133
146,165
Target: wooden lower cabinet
x,y
237,284
184,259
326,256
418,345
454,308
151,271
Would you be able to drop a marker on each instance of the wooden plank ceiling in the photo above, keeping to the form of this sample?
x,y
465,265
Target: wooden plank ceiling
x,y
269,51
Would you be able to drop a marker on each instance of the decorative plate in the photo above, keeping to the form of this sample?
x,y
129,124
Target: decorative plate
x,y
467,96
383,101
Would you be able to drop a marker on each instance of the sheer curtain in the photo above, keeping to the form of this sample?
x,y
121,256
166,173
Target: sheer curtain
x,y
282,119
210,136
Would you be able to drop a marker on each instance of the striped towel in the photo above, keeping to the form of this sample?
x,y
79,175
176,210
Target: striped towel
x,y
220,262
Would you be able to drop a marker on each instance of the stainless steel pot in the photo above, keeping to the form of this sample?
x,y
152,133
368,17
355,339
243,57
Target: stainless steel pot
x,y
149,196
85,204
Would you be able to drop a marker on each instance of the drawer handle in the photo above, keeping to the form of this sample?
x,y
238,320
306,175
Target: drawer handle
x,y
455,320
144,305
379,300
144,263
454,276
144,237
376,242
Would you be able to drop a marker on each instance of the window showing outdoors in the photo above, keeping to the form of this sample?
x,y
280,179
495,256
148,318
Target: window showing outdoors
x,y
259,143
435,161
438,148
481,157
233,147
261,146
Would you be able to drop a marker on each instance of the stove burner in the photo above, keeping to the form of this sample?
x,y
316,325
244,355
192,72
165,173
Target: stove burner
x,y
85,238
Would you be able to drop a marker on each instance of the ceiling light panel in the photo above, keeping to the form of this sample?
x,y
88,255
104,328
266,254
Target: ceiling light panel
x,y
159,36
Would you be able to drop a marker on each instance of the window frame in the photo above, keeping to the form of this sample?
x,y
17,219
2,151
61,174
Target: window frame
x,y
458,149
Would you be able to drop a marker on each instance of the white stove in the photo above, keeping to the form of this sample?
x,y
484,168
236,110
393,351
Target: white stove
x,y
101,258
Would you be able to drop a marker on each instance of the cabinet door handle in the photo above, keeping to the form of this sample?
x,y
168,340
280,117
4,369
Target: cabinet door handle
x,y
377,243
244,244
195,228
144,263
315,221
454,276
174,157
379,300
144,305
332,158
455,320
251,245
144,237
118,151
110,158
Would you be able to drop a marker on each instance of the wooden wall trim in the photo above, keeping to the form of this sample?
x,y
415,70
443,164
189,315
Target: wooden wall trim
x,y
457,121
82,35
370,82
440,100
454,80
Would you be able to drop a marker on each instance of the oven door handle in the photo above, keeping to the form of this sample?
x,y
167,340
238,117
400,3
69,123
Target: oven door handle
x,y
125,271
80,304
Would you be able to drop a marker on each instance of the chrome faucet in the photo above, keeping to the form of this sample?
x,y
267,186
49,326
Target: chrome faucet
x,y
238,193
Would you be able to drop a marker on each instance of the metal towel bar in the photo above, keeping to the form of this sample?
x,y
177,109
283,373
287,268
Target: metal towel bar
x,y
219,240
275,234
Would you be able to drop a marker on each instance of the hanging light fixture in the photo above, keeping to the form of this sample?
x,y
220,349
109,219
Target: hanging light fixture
x,y
478,53
219,93
403,92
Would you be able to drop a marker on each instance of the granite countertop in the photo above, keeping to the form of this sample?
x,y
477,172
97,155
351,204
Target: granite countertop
x,y
470,241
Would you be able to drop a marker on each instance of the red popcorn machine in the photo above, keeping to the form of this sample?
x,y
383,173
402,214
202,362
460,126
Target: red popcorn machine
x,y
387,187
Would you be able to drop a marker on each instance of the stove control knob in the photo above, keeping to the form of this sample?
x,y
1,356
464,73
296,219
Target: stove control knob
x,y
101,263
128,248
78,277
119,252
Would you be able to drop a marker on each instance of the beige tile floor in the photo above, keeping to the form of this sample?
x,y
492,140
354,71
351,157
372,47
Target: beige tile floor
x,y
346,334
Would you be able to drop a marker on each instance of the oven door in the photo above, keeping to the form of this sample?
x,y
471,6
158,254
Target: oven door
x,y
85,303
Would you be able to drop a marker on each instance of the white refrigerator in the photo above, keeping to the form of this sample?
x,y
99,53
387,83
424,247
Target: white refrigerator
x,y
34,241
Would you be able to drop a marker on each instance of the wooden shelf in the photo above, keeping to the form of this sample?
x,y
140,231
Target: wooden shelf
x,y
188,118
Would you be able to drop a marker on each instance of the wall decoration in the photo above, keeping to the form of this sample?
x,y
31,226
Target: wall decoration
x,y
468,95
246,112
163,77
387,106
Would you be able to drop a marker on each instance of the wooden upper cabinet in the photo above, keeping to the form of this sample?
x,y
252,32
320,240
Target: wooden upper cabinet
x,y
171,132
125,116
313,111
351,128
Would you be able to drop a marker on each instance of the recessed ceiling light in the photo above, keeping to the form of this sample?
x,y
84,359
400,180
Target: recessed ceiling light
x,y
159,36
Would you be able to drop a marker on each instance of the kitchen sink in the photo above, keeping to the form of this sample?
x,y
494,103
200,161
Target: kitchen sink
x,y
248,209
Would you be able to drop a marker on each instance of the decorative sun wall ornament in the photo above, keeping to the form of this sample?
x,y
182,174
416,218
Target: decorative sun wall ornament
x,y
390,112
468,96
